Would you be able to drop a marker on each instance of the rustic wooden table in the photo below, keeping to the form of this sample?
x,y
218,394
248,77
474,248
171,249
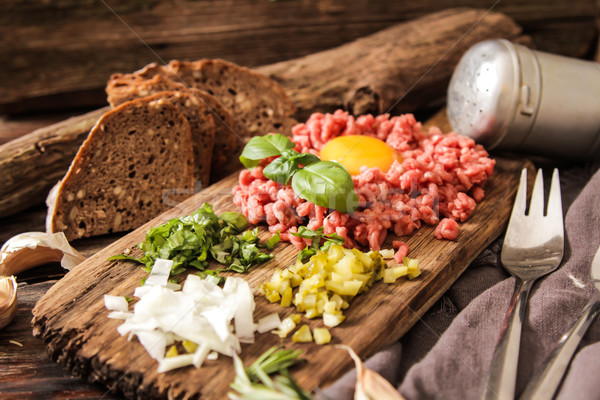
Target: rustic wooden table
x,y
25,369
26,372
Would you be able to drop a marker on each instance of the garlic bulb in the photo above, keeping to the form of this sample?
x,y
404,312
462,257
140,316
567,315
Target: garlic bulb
x,y
8,299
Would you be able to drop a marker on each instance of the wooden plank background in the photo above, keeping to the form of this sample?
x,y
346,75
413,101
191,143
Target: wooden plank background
x,y
60,54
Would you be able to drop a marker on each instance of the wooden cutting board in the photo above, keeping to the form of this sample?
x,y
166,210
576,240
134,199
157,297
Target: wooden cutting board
x,y
72,321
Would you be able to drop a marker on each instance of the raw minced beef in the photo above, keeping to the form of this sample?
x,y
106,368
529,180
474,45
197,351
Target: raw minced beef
x,y
440,176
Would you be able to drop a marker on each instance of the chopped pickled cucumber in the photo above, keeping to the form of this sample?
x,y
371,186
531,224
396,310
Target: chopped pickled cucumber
x,y
189,346
302,335
287,325
172,352
329,280
321,335
296,318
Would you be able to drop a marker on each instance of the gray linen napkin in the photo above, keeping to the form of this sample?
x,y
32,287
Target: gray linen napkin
x,y
447,354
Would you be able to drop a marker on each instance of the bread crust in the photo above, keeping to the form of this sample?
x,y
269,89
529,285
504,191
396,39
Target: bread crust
x,y
258,104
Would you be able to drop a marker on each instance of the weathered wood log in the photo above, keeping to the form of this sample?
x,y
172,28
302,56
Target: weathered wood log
x,y
15,126
400,69
44,67
32,164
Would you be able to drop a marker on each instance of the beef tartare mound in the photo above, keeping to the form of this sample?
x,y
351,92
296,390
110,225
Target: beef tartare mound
x,y
434,177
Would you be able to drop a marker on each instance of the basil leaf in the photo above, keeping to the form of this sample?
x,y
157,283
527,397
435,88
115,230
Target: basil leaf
x,y
300,158
333,238
290,154
211,276
260,147
326,184
307,159
280,170
317,237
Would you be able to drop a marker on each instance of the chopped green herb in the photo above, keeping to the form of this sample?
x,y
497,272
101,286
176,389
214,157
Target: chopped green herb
x,y
273,241
251,235
192,241
273,361
212,276
254,383
320,241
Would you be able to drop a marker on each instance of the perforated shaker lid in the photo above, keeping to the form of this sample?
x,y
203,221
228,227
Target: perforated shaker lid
x,y
483,93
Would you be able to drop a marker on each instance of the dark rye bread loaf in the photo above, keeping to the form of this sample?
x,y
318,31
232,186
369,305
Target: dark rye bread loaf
x,y
153,79
136,163
258,104
202,127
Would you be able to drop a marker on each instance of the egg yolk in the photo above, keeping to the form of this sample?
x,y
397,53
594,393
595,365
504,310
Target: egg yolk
x,y
355,151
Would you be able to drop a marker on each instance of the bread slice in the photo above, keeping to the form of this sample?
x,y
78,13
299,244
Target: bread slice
x,y
259,105
154,79
202,127
228,146
136,162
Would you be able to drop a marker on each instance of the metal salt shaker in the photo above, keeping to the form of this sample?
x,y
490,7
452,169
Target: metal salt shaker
x,y
509,97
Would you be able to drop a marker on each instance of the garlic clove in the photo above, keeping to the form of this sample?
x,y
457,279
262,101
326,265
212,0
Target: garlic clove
x,y
8,299
31,249
369,384
26,258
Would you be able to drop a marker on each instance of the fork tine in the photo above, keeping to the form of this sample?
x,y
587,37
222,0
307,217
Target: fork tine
x,y
520,203
554,199
536,206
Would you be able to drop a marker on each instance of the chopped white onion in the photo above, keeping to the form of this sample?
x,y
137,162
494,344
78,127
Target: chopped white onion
x,y
154,342
200,355
239,293
159,275
120,315
201,312
387,254
169,363
116,303
268,323
173,286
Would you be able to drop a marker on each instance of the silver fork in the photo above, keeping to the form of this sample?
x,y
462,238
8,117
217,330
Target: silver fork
x,y
533,247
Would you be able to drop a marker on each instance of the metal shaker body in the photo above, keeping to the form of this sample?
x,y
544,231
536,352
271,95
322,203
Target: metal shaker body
x,y
509,97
